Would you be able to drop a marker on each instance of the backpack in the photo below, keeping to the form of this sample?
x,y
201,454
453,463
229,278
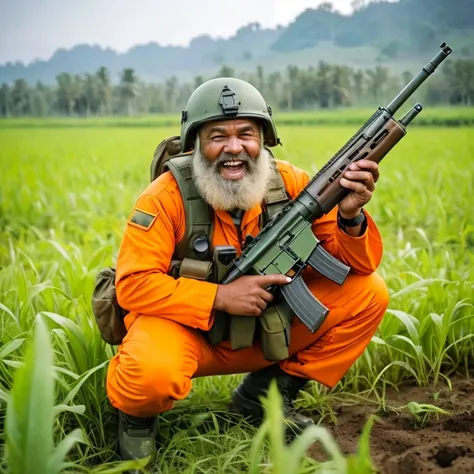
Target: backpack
x,y
192,261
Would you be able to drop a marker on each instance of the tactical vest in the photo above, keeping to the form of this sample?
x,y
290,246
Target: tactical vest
x,y
195,258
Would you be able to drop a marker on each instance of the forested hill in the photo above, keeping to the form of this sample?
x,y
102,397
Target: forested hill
x,y
385,32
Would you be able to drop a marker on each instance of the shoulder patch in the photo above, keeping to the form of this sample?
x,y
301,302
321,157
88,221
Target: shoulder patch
x,y
141,219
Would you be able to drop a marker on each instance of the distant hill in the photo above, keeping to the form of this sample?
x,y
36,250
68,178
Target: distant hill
x,y
383,33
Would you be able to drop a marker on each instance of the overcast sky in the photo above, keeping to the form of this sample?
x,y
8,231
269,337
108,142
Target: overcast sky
x,y
32,29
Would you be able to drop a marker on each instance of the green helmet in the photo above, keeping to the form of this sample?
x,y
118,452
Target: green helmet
x,y
222,99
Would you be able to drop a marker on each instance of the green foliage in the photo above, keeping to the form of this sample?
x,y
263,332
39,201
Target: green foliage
x,y
320,86
65,194
292,459
31,412
421,411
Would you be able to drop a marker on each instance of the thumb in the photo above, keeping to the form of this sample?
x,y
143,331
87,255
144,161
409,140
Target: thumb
x,y
273,279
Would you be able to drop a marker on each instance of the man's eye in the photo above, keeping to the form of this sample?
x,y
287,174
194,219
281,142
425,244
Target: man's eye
x,y
217,137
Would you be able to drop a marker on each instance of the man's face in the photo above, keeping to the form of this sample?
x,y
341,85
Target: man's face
x,y
230,165
231,146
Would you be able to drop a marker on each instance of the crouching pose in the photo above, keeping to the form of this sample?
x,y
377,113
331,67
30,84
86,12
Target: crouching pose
x,y
165,279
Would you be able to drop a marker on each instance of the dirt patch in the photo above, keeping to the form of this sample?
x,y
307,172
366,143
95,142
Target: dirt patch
x,y
444,444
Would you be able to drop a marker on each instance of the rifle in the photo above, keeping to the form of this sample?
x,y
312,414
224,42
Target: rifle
x,y
287,244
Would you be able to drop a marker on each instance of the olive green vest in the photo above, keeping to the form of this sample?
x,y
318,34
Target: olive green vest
x,y
195,258
272,328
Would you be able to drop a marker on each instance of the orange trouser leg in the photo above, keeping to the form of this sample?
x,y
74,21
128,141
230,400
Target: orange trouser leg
x,y
158,358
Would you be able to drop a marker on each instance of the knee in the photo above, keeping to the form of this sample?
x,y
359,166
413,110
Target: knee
x,y
378,293
147,386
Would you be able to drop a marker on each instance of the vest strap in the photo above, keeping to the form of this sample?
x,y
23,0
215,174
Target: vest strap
x,y
199,215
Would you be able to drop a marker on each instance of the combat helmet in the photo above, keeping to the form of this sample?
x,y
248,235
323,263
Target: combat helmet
x,y
225,98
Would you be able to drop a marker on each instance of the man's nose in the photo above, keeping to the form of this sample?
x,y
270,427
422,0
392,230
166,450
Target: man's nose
x,y
233,146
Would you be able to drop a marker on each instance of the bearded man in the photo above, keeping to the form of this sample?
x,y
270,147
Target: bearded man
x,y
227,129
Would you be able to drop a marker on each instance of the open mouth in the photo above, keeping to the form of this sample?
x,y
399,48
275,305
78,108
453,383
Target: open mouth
x,y
234,169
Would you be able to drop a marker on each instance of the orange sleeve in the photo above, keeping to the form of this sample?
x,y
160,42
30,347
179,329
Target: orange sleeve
x,y
363,253
142,283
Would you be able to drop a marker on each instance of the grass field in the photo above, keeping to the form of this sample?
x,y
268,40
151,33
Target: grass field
x,y
65,194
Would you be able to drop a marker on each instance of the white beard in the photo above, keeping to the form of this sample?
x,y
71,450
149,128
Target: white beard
x,y
225,194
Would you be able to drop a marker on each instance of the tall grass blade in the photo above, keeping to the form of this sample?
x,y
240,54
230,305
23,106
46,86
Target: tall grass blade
x,y
30,412
29,416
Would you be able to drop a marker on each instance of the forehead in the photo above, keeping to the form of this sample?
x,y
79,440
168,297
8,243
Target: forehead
x,y
230,125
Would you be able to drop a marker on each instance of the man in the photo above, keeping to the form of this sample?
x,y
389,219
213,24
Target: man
x,y
227,127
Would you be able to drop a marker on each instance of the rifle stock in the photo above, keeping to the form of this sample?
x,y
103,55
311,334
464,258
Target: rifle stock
x,y
287,244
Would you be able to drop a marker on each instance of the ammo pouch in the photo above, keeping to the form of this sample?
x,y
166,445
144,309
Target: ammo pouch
x,y
274,331
108,314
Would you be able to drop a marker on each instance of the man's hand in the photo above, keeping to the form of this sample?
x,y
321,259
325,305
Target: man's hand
x,y
247,296
360,178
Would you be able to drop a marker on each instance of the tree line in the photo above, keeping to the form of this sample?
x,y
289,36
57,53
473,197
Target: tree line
x,y
323,86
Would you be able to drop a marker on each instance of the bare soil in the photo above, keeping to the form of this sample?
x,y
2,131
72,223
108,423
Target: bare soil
x,y
444,444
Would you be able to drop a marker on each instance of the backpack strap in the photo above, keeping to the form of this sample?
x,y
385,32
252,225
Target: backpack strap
x,y
199,216
276,197
164,151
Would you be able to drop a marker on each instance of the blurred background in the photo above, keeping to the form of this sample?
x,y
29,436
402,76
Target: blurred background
x,y
106,57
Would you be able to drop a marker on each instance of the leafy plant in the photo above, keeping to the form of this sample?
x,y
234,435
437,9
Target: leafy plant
x,y
422,411
30,413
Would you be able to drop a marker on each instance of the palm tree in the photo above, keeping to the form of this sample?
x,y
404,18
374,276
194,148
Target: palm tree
x,y
129,87
358,86
92,94
460,73
198,80
171,89
103,77
377,79
67,92
275,91
20,97
325,84
341,85
261,86
226,71
5,100
291,78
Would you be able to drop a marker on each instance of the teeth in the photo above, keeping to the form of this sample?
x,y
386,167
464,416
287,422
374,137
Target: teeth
x,y
233,163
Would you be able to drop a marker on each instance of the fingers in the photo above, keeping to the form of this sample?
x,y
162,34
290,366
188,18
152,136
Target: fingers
x,y
370,166
266,296
364,165
364,177
275,279
360,188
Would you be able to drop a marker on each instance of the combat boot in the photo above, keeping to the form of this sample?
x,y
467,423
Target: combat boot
x,y
245,402
137,437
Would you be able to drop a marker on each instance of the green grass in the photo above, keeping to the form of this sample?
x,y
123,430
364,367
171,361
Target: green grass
x,y
64,198
431,116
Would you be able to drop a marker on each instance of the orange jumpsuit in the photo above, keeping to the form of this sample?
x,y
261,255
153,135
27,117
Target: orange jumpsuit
x,y
163,350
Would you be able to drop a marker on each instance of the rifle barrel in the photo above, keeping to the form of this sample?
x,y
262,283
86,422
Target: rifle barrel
x,y
410,115
416,82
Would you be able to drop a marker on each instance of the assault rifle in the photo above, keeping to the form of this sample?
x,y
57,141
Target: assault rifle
x,y
287,244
